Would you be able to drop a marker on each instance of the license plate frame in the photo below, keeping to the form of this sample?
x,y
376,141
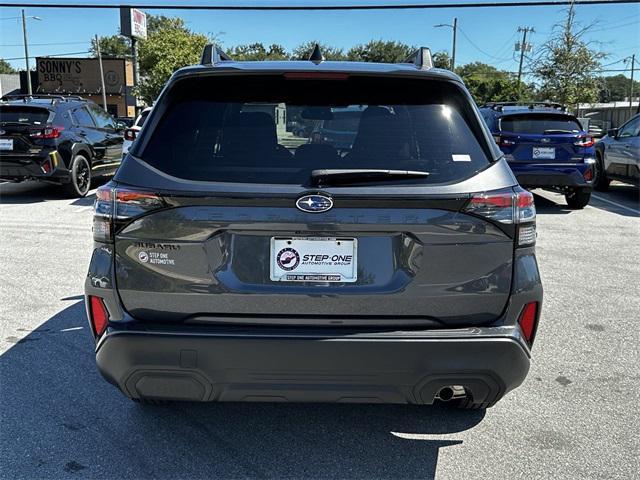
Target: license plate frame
x,y
302,259
544,153
6,144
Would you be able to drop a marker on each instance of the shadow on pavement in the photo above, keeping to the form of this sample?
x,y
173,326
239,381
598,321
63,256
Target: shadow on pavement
x,y
619,198
61,420
37,192
547,207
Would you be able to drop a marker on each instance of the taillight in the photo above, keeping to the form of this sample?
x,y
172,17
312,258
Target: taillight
x,y
115,207
99,315
130,134
529,321
47,133
585,141
508,207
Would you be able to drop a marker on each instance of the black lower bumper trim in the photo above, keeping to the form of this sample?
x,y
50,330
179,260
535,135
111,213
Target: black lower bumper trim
x,y
388,369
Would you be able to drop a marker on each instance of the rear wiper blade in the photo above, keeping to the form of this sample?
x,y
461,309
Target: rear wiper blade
x,y
556,130
361,175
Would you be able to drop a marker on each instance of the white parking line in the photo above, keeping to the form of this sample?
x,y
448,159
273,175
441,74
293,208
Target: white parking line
x,y
598,197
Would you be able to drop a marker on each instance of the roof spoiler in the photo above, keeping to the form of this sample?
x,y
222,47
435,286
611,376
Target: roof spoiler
x,y
212,54
421,58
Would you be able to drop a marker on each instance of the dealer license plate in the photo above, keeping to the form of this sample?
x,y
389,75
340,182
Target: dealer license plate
x,y
544,153
6,143
304,259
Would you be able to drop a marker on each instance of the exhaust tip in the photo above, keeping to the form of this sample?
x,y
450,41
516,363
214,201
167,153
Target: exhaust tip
x,y
451,392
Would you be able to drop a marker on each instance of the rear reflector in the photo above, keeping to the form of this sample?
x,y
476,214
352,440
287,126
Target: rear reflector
x,y
528,321
588,175
99,315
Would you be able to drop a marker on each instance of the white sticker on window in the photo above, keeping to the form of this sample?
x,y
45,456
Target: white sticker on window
x,y
461,158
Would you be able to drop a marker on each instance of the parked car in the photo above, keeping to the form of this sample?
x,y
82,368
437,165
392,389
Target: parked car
x,y
545,146
618,155
126,121
131,132
229,267
57,139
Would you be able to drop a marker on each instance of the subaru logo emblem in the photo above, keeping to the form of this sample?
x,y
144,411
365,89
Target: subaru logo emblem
x,y
2,132
545,140
314,203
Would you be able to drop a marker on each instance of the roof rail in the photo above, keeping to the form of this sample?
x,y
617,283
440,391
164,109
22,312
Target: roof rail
x,y
46,96
421,58
213,54
499,106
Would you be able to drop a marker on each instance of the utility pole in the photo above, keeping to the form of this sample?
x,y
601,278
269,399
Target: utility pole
x,y
104,92
453,47
26,53
523,48
633,64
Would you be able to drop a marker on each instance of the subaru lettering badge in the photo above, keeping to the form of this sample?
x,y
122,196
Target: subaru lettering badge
x,y
314,203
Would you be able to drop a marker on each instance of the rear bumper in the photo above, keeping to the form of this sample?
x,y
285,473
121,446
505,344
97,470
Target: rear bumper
x,y
21,167
317,366
552,175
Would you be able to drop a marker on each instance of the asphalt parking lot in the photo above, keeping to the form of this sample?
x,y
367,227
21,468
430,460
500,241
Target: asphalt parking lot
x,y
576,416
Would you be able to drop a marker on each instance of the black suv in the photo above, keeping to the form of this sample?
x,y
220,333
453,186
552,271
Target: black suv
x,y
234,260
58,139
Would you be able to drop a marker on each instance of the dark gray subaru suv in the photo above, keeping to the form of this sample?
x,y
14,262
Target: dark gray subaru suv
x,y
236,260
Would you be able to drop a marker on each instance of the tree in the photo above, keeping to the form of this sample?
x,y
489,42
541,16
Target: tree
x,y
302,52
616,88
5,67
488,84
160,22
567,64
380,51
168,47
111,46
257,51
441,60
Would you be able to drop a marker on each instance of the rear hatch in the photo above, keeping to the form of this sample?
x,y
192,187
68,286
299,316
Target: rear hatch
x,y
542,138
22,130
217,221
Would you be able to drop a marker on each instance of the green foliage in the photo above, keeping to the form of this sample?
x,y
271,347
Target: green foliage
x,y
5,67
160,22
380,51
488,84
111,46
168,47
442,60
257,51
567,63
302,52
616,88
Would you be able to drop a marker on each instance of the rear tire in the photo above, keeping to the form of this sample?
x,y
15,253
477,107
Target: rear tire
x,y
600,182
80,177
578,199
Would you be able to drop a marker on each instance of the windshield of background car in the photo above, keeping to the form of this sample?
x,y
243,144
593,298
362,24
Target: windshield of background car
x,y
20,114
539,124
264,129
143,116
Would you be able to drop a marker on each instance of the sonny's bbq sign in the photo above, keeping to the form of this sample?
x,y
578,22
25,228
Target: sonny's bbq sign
x,y
80,75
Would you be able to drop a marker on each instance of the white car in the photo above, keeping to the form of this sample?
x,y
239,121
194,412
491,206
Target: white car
x,y
131,133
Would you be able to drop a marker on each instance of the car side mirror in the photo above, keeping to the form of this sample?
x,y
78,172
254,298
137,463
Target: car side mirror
x,y
613,132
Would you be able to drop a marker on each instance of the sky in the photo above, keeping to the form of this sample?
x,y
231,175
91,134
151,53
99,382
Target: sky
x,y
487,35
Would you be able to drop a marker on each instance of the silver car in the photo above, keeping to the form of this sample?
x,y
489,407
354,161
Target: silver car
x,y
618,155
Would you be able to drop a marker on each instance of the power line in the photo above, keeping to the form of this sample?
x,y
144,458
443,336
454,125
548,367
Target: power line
x,y
406,6
478,48
45,56
42,44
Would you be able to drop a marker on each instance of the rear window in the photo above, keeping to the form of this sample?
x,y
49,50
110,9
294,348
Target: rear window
x,y
539,124
20,114
257,129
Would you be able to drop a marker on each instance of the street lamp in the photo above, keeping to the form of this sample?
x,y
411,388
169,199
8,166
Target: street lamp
x,y
453,27
26,48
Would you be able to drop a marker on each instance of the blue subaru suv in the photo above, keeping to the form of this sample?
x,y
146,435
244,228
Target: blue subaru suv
x,y
545,146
